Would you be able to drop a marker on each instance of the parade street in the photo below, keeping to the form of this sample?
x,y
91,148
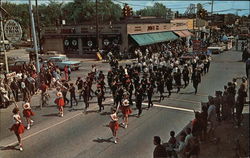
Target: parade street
x,y
80,135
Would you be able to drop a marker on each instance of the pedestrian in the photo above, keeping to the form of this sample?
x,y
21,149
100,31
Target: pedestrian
x,y
159,151
18,126
211,117
60,103
72,91
114,126
27,113
241,99
126,111
99,94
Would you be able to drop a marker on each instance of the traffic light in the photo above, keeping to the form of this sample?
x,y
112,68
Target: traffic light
x,y
130,11
127,11
202,13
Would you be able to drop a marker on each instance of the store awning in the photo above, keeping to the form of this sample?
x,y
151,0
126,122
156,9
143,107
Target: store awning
x,y
180,33
183,33
151,38
187,33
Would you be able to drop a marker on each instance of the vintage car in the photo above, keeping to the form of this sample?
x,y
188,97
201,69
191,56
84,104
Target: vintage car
x,y
62,61
216,49
48,54
17,66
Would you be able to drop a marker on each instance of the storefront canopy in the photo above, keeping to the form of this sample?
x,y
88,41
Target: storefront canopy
x,y
151,38
183,33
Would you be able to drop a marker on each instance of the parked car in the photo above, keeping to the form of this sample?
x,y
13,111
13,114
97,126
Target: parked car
x,y
49,54
17,66
62,61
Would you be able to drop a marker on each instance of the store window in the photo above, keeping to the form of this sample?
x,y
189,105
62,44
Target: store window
x,y
70,44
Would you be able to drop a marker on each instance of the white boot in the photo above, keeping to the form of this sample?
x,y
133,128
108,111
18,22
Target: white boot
x,y
31,122
28,127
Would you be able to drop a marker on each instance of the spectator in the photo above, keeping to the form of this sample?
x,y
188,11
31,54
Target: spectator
x,y
181,149
211,117
159,151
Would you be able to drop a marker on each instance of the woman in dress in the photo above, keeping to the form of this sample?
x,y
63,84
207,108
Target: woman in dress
x,y
17,127
27,113
114,126
60,103
126,111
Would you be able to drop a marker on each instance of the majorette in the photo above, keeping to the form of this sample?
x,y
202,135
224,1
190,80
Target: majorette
x,y
18,126
60,103
114,126
126,111
27,113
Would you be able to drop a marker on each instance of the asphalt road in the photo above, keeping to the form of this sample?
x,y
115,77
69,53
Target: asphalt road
x,y
79,135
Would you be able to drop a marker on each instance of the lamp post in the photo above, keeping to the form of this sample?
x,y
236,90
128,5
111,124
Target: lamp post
x,y
96,23
2,37
34,35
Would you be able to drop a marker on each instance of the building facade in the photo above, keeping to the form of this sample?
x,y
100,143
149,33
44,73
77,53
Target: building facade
x,y
82,40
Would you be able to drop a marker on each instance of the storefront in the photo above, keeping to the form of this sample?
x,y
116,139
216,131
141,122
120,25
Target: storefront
x,y
121,37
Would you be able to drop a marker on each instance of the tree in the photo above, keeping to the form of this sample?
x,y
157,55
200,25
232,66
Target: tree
x,y
158,10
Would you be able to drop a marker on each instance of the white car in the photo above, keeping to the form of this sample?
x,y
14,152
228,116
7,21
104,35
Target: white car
x,y
215,50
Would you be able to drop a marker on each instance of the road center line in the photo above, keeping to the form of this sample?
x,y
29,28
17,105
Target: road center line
x,y
171,107
184,100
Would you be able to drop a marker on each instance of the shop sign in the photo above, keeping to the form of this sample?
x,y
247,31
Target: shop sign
x,y
106,42
66,42
13,31
90,43
74,42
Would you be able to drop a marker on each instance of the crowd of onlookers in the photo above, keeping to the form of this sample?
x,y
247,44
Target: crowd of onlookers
x,y
226,106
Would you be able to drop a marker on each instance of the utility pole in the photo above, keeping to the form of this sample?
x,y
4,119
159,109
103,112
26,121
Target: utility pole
x,y
38,27
96,23
3,39
212,10
34,35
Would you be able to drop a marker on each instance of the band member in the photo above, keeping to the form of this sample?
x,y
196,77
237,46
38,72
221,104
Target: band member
x,y
114,126
27,113
60,103
150,92
196,78
169,84
99,94
185,74
126,111
85,94
177,78
139,99
17,127
72,91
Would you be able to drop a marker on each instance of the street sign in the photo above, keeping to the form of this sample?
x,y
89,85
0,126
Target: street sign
x,y
13,31
106,42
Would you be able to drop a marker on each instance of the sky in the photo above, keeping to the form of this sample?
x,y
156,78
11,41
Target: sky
x,y
179,5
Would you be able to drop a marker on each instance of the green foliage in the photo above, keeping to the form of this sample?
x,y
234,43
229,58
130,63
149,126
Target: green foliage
x,y
76,12
158,10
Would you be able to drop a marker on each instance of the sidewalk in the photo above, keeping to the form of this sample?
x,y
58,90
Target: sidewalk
x,y
226,147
